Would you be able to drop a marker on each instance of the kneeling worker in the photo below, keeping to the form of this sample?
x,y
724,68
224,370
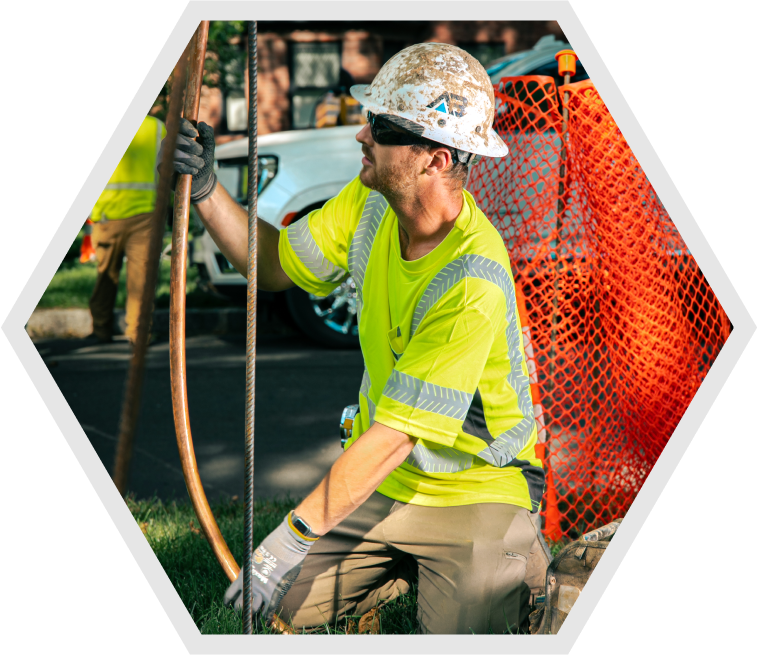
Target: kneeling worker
x,y
440,474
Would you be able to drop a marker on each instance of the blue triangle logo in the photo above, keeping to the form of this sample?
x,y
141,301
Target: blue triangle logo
x,y
443,107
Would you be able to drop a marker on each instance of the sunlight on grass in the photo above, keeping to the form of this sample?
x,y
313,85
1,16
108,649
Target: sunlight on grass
x,y
173,532
73,283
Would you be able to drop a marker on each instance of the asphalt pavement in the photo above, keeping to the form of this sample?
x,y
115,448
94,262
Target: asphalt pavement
x,y
301,389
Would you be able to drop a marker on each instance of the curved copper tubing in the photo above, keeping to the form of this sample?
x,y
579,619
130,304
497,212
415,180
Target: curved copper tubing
x,y
178,355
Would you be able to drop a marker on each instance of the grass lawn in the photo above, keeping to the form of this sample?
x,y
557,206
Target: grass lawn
x,y
73,282
177,540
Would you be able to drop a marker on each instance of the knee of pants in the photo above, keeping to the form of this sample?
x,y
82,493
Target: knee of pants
x,y
332,595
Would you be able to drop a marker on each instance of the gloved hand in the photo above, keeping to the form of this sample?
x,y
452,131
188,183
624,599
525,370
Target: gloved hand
x,y
194,157
276,565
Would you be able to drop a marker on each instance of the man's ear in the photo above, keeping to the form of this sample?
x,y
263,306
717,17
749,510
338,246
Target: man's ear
x,y
441,160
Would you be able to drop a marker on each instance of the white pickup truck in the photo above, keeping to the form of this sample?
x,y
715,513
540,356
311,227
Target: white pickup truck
x,y
300,170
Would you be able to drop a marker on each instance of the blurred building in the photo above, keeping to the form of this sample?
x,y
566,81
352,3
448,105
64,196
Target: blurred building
x,y
300,61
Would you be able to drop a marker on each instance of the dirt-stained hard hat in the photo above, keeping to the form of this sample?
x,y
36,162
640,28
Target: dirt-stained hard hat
x,y
437,91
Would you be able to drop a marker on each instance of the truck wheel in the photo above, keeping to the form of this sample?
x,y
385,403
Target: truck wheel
x,y
331,321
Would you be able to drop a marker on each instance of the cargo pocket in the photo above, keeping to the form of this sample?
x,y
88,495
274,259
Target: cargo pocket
x,y
509,606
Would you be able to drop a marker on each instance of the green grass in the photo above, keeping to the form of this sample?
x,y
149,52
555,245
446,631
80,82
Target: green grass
x,y
173,532
73,283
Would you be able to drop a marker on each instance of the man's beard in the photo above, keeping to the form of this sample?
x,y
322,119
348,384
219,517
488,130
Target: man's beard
x,y
395,181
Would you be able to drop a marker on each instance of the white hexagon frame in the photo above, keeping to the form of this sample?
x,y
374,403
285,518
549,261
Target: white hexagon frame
x,y
412,10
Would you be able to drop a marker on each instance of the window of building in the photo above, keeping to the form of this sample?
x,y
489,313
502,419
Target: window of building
x,y
315,68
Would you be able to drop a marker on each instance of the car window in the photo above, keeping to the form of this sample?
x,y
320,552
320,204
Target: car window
x,y
232,173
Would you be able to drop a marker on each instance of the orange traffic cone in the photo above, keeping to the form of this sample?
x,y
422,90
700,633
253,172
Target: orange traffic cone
x,y
552,527
86,251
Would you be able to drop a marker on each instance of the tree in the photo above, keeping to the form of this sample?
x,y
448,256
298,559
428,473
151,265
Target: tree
x,y
225,61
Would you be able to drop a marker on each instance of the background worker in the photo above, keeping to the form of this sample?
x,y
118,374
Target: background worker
x,y
440,474
121,226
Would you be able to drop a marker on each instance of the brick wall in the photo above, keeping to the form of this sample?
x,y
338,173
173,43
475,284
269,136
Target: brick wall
x,y
365,49
273,84
361,55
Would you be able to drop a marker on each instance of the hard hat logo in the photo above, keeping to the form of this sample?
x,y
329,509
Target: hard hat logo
x,y
449,103
459,85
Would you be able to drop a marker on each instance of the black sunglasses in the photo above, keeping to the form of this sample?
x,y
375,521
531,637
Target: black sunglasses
x,y
386,133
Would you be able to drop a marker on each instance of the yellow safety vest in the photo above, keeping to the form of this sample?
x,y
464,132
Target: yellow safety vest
x,y
442,346
132,187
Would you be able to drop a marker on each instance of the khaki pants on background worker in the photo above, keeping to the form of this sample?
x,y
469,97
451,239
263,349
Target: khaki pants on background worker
x,y
471,562
112,240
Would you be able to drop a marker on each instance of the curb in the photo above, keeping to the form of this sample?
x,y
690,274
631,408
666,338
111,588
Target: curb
x,y
76,323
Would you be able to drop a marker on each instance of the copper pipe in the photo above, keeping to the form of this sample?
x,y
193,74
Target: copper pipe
x,y
178,354
133,392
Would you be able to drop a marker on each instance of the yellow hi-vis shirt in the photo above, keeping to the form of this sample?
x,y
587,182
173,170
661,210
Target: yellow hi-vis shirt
x,y
132,188
442,346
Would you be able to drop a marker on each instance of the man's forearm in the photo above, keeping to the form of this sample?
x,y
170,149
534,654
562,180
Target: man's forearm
x,y
226,222
355,476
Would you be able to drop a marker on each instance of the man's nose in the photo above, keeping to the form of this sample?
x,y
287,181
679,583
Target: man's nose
x,y
364,136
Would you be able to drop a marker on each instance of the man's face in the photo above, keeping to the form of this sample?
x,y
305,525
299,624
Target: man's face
x,y
391,170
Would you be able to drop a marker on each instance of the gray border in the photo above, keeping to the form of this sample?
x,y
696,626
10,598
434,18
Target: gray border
x,y
13,325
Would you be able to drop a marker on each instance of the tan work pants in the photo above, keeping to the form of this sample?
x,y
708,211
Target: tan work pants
x,y
471,562
112,240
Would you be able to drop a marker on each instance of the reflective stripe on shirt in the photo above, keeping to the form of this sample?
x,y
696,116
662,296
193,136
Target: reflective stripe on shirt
x,y
430,397
507,445
363,239
419,394
308,252
365,386
131,186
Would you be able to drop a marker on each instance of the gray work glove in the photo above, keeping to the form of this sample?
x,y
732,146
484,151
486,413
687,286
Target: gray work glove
x,y
194,157
276,565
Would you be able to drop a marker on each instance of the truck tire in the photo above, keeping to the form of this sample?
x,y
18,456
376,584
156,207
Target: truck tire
x,y
331,321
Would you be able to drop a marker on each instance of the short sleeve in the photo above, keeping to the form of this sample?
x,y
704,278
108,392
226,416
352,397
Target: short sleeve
x,y
313,251
431,388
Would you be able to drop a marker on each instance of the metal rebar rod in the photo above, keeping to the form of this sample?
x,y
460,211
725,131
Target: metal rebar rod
x,y
133,391
558,227
178,356
252,293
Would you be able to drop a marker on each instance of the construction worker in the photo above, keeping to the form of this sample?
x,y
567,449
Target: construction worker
x,y
439,478
121,226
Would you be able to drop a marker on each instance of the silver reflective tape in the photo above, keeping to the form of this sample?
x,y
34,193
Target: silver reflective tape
x,y
365,388
441,460
307,251
507,445
433,398
363,239
459,269
365,383
130,186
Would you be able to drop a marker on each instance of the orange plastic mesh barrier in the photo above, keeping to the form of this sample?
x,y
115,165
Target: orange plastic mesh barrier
x,y
623,325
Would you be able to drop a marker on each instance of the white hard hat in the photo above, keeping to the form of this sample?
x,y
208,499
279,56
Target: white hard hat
x,y
443,90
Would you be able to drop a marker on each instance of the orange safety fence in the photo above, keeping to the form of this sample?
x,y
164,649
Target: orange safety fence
x,y
623,324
